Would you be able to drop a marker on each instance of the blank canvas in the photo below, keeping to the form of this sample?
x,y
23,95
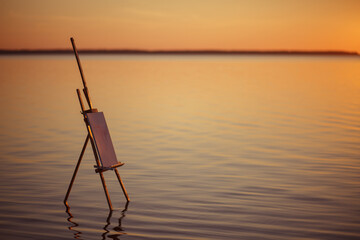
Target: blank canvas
x,y
102,139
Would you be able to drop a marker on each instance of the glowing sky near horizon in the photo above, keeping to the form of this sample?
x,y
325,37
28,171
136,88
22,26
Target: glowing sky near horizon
x,y
183,24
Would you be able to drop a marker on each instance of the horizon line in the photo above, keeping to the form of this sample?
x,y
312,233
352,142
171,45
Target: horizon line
x,y
207,51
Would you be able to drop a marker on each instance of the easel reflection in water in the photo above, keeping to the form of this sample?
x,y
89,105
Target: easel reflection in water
x,y
107,233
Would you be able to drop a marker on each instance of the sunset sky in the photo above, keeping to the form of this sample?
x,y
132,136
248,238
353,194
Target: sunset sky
x,y
181,24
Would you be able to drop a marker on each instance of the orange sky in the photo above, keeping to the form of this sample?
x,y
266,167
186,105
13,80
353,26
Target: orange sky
x,y
182,24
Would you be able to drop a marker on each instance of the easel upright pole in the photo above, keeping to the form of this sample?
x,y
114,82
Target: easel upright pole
x,y
95,152
100,173
80,101
86,91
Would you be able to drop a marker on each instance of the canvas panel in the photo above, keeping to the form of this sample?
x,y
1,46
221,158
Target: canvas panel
x,y
102,139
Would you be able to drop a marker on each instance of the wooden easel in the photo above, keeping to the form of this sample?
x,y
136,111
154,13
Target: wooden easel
x,y
100,140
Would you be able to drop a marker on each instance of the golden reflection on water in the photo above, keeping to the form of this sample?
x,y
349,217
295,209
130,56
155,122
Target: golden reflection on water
x,y
214,147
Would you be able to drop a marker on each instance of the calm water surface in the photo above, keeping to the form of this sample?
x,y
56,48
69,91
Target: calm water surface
x,y
214,147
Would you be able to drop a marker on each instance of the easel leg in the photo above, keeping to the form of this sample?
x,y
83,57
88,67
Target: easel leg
x,y
76,170
122,185
101,175
105,190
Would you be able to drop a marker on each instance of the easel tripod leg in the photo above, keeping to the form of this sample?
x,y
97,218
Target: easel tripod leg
x,y
76,169
122,185
101,174
105,190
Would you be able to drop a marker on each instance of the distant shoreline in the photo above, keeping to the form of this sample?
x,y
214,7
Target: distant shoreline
x,y
178,52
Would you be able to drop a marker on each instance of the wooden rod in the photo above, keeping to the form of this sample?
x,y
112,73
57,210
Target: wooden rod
x,y
122,185
98,164
80,100
106,191
97,160
86,91
87,97
76,170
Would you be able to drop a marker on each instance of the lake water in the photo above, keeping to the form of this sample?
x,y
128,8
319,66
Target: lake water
x,y
215,147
